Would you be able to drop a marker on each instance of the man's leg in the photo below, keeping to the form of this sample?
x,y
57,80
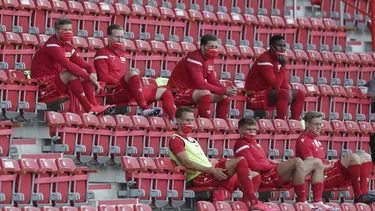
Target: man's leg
x,y
222,106
353,164
165,95
89,91
203,99
280,99
134,83
298,101
240,167
366,167
316,169
294,170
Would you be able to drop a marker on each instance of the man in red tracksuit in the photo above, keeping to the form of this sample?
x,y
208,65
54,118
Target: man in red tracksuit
x,y
58,66
112,68
352,170
278,174
194,82
268,84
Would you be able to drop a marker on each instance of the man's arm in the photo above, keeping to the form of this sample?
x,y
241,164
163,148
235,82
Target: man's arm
x,y
303,150
211,78
101,67
82,63
244,151
266,69
186,162
56,53
195,69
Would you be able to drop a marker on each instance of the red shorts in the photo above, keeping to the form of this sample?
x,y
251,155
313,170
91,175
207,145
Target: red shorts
x,y
49,90
184,97
336,176
121,93
272,179
258,100
204,179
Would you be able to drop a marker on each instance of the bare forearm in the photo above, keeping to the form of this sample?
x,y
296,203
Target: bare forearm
x,y
198,167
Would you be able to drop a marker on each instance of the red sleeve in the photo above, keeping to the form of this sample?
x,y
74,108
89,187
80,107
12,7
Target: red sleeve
x,y
302,149
285,83
266,69
102,69
82,63
211,78
56,53
242,149
176,145
195,71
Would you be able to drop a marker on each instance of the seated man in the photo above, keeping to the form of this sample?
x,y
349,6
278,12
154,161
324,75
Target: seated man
x,y
268,84
186,151
59,67
278,174
194,82
352,170
112,68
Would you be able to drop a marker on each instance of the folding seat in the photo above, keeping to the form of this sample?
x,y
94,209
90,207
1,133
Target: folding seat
x,y
258,51
154,65
302,35
205,206
136,141
366,67
134,22
122,12
157,138
250,28
300,206
287,207
326,93
54,10
15,15
263,31
209,25
315,67
172,57
317,34
339,102
230,69
49,208
92,208
25,181
81,44
239,206
220,66
337,143
203,136
76,13
10,170
124,207
295,130
339,71
325,140
68,208
332,35
232,131
9,106
365,130
299,67
245,61
193,24
73,185
280,139
106,207
353,69
142,207
222,139
10,49
10,208
96,19
29,208
30,44
176,192
272,205
141,178
237,26
286,27
334,205
351,207
265,138
222,206
22,93
106,15
357,103
143,57
151,24
362,207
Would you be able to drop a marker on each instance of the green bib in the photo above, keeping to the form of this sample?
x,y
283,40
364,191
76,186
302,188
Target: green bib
x,y
195,154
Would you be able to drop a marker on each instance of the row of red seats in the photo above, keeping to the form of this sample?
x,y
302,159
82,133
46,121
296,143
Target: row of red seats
x,y
43,182
148,22
300,206
122,207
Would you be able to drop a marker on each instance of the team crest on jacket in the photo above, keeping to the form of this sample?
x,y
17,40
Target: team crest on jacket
x,y
210,67
279,66
112,57
68,54
122,59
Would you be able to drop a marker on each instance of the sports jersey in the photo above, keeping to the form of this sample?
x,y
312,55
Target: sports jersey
x,y
55,56
266,73
110,65
193,150
195,71
308,146
254,155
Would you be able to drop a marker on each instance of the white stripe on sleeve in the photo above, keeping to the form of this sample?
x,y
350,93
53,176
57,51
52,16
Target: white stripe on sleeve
x,y
242,148
52,45
265,64
101,57
194,61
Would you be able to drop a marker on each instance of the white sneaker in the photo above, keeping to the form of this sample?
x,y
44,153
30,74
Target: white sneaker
x,y
327,207
313,207
151,112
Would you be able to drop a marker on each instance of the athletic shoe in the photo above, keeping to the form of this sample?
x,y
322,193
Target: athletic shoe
x,y
365,198
313,207
151,112
326,206
261,207
98,110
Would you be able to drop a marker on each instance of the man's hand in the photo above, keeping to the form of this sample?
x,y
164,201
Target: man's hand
x,y
96,85
93,77
231,91
219,173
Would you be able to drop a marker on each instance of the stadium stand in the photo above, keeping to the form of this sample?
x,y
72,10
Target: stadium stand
x,y
53,159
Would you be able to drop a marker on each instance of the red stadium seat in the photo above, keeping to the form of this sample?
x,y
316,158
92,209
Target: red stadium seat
x,y
366,130
103,137
205,206
157,137
265,138
273,205
124,207
279,139
29,208
49,208
136,139
120,138
203,135
286,207
89,208
105,207
142,207
222,206
350,207
239,206
10,169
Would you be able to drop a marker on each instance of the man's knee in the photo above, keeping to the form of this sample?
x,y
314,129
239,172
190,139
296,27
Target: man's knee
x,y
202,96
364,157
354,159
299,96
297,163
67,76
283,94
129,74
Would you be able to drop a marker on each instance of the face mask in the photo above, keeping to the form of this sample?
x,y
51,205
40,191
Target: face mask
x,y
117,45
211,53
186,128
66,36
249,137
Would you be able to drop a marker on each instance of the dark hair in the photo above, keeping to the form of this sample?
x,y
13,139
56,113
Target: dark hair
x,y
312,115
113,27
208,37
276,38
182,110
61,21
247,121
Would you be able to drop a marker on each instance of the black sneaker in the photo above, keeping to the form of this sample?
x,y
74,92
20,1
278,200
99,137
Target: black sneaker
x,y
365,198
